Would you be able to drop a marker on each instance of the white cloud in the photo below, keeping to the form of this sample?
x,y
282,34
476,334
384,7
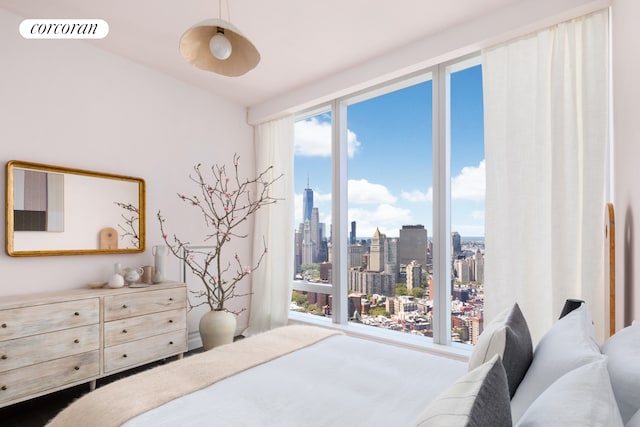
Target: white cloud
x,y
418,196
313,139
470,184
389,219
365,192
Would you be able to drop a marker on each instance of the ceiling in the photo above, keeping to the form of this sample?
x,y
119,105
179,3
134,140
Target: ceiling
x,y
300,41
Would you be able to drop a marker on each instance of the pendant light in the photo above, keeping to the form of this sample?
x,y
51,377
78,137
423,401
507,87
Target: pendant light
x,y
218,46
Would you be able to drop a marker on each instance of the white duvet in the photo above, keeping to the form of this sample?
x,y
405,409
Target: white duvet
x,y
340,381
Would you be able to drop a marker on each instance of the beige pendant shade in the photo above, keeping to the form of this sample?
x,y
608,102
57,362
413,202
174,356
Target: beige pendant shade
x,y
194,47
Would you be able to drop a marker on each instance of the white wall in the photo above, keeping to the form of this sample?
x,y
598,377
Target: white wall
x,y
69,103
626,156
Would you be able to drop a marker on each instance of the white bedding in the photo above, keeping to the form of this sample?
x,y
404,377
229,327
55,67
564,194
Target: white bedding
x,y
340,381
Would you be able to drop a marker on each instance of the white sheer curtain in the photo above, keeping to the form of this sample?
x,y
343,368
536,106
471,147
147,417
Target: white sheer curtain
x,y
546,141
271,283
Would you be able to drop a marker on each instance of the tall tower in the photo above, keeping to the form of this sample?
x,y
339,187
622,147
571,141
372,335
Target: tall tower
x,y
307,203
352,234
315,232
307,244
391,256
456,245
412,244
376,252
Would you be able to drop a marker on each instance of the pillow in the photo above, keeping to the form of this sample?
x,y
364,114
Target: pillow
x,y
478,399
582,397
634,421
623,353
507,336
568,344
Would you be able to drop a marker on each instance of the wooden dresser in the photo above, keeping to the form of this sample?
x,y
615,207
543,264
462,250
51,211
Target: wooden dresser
x,y
56,340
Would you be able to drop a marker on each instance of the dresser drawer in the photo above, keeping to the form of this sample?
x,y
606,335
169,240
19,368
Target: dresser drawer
x,y
38,319
53,345
145,302
135,328
144,350
22,382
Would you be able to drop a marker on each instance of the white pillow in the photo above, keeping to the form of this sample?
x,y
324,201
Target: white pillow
x,y
568,344
623,353
634,421
507,335
582,397
478,399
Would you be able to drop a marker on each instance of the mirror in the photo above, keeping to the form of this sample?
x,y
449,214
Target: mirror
x,y
53,210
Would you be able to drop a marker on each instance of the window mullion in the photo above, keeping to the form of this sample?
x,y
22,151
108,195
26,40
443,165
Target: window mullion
x,y
441,209
339,212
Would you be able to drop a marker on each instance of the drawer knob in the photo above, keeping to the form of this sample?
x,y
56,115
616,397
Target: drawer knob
x,y
170,320
76,314
76,341
170,298
170,342
4,387
77,368
124,331
124,306
4,325
4,357
124,355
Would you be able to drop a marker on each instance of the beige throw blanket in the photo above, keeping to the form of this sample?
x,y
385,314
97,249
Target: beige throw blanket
x,y
115,403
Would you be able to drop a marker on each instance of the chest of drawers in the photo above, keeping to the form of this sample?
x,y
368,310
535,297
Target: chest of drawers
x,y
52,341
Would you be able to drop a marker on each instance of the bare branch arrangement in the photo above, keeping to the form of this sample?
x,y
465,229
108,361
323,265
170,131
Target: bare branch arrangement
x,y
131,218
224,203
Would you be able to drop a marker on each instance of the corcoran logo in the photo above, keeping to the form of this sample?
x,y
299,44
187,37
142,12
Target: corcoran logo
x,y
64,29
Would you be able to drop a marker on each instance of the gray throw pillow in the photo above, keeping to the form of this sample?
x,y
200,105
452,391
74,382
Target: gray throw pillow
x,y
507,336
478,399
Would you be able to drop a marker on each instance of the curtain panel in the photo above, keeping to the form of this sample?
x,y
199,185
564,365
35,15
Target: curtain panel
x,y
273,227
546,106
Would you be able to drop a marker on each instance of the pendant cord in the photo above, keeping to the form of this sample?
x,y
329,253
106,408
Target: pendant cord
x,y
220,10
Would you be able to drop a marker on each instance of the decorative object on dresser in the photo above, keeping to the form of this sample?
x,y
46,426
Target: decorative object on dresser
x,y
160,254
52,341
116,280
226,202
132,275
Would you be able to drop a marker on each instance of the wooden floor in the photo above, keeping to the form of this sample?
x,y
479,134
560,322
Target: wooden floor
x,y
37,412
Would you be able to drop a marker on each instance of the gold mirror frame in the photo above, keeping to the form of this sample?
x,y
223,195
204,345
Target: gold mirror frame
x,y
10,224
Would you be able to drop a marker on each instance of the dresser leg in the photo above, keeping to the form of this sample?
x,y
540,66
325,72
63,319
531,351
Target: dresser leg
x,y
92,385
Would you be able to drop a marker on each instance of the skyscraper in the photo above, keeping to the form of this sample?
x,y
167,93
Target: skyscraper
x,y
376,252
307,203
456,245
352,234
412,244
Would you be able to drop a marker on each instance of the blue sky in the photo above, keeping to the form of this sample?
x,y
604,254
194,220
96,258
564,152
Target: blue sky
x,y
390,159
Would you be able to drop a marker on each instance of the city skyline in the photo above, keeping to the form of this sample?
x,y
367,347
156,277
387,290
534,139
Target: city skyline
x,y
389,146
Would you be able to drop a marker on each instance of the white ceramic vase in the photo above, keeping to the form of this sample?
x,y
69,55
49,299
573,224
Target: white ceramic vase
x,y
159,255
217,328
116,280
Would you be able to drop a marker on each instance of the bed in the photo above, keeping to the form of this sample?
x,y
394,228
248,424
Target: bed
x,y
305,375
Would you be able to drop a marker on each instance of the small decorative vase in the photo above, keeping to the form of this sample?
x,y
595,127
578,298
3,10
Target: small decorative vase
x,y
217,328
147,274
116,280
160,255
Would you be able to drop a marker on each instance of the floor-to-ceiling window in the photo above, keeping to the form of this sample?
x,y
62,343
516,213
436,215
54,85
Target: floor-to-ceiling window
x,y
390,204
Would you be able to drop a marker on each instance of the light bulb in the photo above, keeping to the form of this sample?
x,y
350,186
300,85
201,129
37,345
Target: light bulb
x,y
220,46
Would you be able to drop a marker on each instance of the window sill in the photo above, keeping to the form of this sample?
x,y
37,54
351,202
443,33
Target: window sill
x,y
454,351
